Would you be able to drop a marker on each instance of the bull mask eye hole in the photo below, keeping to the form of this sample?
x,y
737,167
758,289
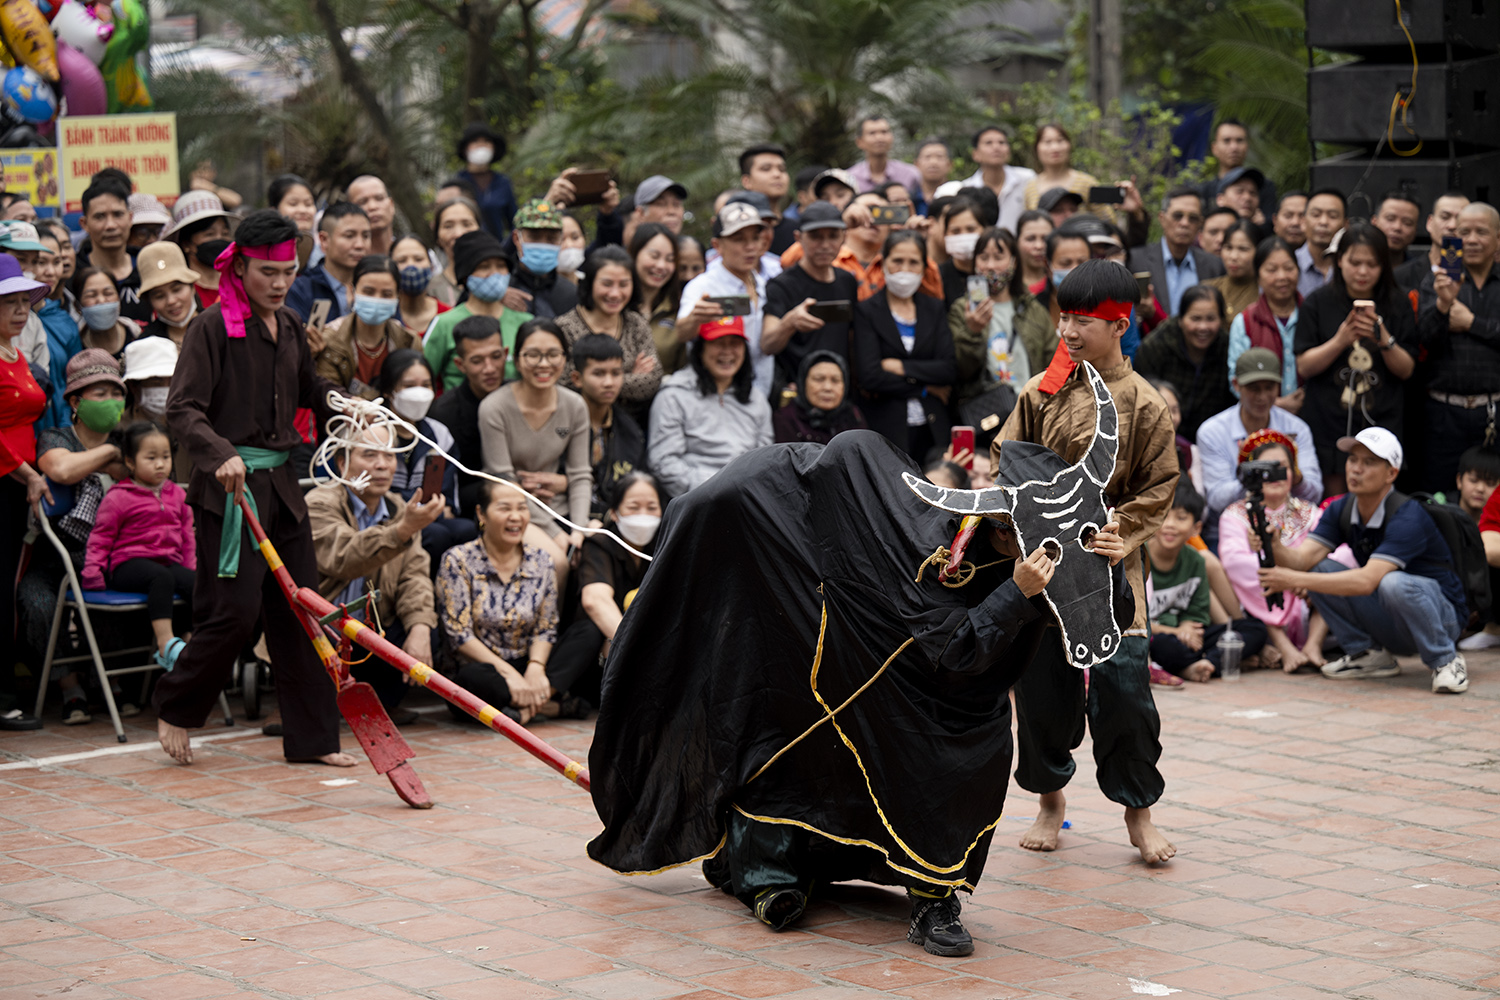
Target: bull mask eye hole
x,y
1086,536
1053,549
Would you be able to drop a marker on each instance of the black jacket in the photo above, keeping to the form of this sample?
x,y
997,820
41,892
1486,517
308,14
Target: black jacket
x,y
1151,258
931,362
551,294
624,452
1203,390
458,410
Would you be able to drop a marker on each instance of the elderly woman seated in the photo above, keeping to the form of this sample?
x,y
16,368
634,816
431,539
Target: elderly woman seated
x,y
497,599
824,405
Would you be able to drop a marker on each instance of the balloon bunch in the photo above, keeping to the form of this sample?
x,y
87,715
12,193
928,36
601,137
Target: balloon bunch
x,y
69,57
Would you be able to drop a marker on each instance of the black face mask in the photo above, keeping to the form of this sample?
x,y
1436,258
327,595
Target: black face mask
x,y
209,252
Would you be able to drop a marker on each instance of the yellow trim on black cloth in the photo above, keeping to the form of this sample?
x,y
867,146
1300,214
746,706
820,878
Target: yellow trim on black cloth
x,y
830,715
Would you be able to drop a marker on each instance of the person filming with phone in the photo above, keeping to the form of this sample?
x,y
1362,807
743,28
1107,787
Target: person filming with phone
x,y
810,305
1458,324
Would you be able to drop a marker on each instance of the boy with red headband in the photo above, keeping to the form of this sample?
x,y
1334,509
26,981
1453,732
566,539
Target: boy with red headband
x,y
1056,409
243,371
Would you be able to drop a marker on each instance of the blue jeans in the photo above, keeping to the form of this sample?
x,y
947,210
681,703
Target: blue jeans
x,y
1407,615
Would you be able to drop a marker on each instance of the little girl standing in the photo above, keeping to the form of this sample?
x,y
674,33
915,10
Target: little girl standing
x,y
142,540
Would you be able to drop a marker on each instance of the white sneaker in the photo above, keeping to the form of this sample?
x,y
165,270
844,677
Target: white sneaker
x,y
1481,640
1452,677
1365,665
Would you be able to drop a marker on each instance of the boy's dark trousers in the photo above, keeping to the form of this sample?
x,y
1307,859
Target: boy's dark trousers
x,y
1050,708
1174,656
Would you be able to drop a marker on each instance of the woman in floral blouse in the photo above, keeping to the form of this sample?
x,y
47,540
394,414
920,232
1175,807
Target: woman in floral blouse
x,y
498,599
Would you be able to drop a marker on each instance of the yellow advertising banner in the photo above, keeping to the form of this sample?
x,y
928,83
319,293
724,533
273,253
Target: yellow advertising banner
x,y
144,146
32,172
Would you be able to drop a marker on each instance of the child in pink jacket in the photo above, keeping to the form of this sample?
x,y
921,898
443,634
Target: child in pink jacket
x,y
142,541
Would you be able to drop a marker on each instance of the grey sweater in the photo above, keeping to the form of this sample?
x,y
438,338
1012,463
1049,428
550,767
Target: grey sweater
x,y
509,444
693,436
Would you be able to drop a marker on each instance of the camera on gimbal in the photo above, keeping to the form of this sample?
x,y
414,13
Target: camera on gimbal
x,y
1254,476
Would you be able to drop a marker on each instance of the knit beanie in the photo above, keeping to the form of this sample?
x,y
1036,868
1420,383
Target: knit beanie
x,y
474,248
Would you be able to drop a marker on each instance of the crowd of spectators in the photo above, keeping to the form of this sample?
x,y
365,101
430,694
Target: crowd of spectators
x,y
607,362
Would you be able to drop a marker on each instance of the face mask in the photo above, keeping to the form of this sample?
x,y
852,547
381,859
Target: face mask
x,y
100,415
372,310
998,280
412,403
185,320
1058,276
480,156
414,280
155,400
961,247
639,529
29,275
539,258
490,288
570,260
102,316
207,253
903,284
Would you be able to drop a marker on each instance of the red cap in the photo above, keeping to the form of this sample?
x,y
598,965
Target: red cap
x,y
724,326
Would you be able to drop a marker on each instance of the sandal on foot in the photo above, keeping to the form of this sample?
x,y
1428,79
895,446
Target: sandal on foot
x,y
168,660
76,713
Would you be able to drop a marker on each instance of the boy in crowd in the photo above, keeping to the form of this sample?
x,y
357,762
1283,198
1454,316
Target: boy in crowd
x,y
1184,640
617,445
480,354
1057,410
1404,600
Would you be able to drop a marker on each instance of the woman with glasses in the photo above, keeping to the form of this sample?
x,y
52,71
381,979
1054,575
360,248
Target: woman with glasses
x,y
530,427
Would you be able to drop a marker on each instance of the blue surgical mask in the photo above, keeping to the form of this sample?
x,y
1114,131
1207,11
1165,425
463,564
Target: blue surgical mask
x,y
374,311
413,280
1058,276
539,258
102,316
490,288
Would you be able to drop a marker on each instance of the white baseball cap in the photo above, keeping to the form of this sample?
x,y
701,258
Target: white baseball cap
x,y
1381,442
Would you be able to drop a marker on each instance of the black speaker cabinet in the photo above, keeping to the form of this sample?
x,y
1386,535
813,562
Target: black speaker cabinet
x,y
1477,176
1455,102
1360,25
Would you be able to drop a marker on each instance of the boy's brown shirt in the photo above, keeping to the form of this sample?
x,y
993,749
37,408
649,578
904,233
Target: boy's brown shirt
x,y
1146,470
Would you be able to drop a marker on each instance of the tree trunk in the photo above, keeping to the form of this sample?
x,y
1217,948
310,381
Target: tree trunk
x,y
482,20
394,164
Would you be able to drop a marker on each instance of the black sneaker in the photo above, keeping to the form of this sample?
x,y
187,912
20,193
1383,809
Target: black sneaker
x,y
779,908
936,927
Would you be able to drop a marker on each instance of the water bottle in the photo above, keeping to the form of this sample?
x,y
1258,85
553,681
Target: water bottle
x,y
1231,646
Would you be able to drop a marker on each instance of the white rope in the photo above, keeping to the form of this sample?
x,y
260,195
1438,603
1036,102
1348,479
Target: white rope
x,y
356,420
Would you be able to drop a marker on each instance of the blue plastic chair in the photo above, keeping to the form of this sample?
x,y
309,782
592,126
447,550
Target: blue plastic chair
x,y
110,601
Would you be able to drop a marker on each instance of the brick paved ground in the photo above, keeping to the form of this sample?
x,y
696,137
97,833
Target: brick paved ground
x,y
1337,839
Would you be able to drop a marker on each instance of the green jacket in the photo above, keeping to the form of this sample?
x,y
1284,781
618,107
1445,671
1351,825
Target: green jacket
x,y
438,345
1033,327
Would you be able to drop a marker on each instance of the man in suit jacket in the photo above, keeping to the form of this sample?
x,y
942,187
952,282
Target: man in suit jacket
x,y
1175,263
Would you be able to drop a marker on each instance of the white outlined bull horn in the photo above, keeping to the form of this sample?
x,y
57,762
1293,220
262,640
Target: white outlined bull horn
x,y
1098,463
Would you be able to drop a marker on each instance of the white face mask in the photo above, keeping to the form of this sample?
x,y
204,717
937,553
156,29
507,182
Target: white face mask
x,y
569,260
412,403
480,156
903,284
154,400
639,529
185,320
961,247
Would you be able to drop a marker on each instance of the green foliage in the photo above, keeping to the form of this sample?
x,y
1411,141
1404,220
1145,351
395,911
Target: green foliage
x,y
797,72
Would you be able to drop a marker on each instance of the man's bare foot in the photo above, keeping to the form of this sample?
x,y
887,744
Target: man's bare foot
x,y
1146,838
335,759
1294,660
1045,831
1200,671
174,740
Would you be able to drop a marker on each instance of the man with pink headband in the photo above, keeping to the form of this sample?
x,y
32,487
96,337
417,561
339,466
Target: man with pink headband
x,y
244,370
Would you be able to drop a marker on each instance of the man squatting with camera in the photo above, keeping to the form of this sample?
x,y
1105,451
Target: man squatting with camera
x,y
1404,599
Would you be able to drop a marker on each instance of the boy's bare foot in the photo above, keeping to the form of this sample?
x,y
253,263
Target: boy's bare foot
x,y
174,740
1314,654
1147,838
1294,661
1200,671
1045,831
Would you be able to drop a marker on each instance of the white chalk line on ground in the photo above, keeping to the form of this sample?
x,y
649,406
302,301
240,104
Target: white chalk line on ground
x,y
68,758
1151,989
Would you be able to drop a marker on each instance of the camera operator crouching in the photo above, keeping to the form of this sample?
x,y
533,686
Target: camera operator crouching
x,y
1404,599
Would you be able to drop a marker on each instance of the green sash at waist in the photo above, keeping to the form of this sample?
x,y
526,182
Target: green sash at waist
x,y
256,460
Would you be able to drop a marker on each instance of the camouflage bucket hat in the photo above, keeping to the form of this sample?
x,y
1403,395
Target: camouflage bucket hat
x,y
538,213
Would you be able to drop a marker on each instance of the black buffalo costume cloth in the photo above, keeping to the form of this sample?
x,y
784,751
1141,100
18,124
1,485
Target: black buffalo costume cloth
x,y
780,588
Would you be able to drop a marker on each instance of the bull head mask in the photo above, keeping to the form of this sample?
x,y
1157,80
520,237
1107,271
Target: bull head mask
x,y
1062,514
